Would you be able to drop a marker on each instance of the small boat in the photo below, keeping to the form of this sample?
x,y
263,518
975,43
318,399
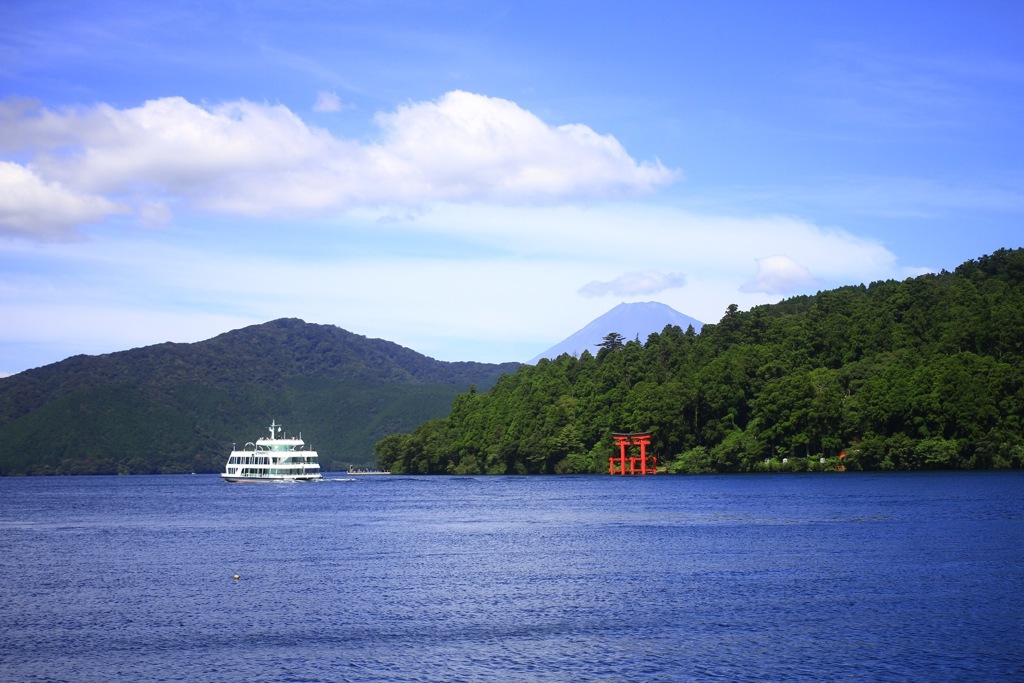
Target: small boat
x,y
365,472
274,459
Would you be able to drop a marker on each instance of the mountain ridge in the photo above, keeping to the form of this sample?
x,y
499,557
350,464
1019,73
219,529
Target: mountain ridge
x,y
178,406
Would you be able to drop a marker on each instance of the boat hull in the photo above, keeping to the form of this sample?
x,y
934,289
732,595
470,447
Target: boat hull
x,y
235,479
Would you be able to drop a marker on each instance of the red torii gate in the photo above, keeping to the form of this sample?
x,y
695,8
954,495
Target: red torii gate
x,y
637,464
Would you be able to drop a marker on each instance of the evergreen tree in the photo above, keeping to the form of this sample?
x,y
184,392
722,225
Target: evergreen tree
x,y
921,374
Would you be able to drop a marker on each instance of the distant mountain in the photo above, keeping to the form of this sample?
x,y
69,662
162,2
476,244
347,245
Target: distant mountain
x,y
179,407
630,320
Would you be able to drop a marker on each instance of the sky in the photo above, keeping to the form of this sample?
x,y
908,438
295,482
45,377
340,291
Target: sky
x,y
478,180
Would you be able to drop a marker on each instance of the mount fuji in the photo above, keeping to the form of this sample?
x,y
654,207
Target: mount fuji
x,y
632,321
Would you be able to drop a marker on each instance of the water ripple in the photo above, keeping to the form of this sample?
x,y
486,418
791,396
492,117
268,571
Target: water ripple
x,y
528,579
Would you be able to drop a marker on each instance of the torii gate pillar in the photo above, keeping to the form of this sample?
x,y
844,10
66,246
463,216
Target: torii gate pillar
x,y
637,464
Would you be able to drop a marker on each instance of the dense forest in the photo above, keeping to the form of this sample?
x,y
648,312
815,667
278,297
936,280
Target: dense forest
x,y
179,407
927,373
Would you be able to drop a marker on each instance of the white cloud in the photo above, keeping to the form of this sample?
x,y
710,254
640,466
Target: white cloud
x,y
175,146
45,210
635,284
328,103
258,159
780,275
466,146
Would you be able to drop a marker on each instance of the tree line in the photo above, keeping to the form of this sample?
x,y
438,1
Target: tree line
x,y
925,373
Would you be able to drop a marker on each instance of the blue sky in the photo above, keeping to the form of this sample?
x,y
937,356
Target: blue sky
x,y
478,180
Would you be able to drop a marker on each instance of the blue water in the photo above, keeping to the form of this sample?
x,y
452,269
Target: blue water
x,y
841,577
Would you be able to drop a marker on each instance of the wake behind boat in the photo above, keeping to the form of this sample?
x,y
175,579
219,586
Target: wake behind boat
x,y
273,459
365,472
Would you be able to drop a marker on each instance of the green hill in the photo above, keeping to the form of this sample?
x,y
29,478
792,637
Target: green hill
x,y
924,373
179,407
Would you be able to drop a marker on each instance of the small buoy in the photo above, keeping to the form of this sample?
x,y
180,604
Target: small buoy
x,y
236,577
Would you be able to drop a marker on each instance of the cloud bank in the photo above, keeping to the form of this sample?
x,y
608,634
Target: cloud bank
x,y
76,166
507,294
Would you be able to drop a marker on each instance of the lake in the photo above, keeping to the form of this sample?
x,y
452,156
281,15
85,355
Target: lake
x,y
841,577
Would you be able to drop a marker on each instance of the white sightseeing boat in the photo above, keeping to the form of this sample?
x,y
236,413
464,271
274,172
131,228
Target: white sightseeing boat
x,y
273,459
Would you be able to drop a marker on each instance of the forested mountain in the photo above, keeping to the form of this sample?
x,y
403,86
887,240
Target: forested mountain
x,y
923,373
179,407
